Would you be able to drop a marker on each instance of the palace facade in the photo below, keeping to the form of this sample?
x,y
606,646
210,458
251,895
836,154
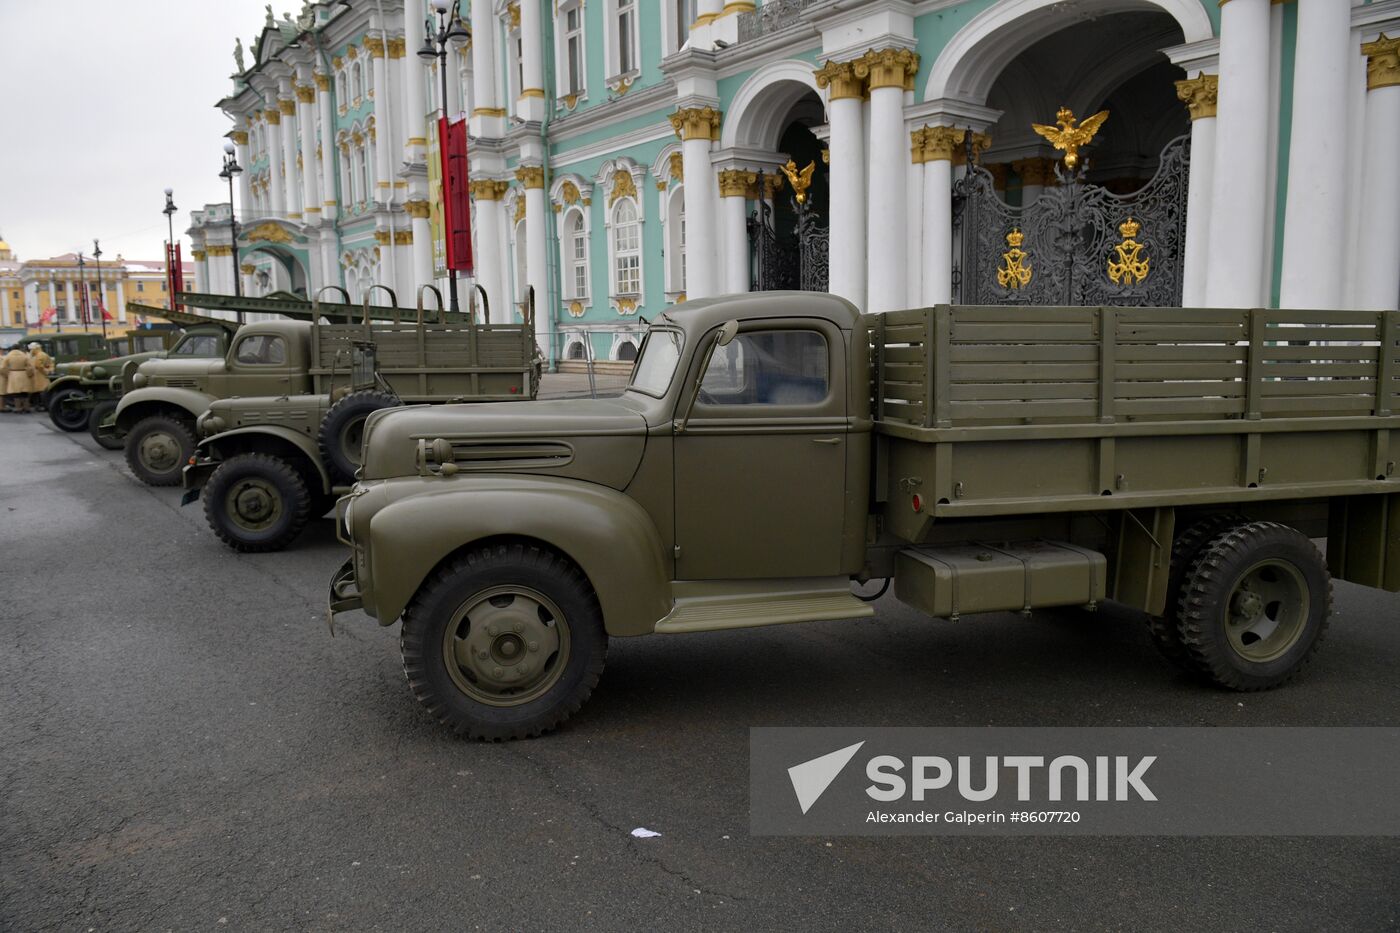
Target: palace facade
x,y
629,154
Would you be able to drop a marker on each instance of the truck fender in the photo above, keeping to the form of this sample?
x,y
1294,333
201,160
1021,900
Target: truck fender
x,y
63,382
611,538
265,438
129,409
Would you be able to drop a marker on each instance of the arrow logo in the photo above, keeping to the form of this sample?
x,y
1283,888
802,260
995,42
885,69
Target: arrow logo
x,y
811,778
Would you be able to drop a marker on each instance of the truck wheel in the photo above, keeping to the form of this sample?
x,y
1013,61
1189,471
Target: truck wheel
x,y
256,503
158,448
1166,628
505,642
71,420
343,432
1255,605
103,413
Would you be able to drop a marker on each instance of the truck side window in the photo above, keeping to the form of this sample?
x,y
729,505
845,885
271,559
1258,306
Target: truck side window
x,y
777,367
264,349
199,345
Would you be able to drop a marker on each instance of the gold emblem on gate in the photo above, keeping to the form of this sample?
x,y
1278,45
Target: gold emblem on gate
x,y
1015,273
800,180
1131,266
1067,137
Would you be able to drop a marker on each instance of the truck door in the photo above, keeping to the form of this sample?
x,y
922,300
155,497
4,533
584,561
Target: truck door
x,y
262,364
761,462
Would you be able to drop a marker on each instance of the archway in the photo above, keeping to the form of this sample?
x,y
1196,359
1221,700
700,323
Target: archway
x,y
286,272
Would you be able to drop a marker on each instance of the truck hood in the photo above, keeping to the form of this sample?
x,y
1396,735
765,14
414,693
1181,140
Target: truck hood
x,y
164,371
596,440
105,369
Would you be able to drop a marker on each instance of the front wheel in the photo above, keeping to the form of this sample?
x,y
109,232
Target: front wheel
x,y
504,642
103,414
157,449
256,503
1255,605
68,418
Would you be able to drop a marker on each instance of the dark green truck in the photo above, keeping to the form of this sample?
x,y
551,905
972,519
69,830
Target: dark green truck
x,y
773,450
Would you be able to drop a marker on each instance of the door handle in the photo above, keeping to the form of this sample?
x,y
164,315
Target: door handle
x,y
826,440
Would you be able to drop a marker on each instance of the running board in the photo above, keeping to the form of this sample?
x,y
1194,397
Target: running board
x,y
709,607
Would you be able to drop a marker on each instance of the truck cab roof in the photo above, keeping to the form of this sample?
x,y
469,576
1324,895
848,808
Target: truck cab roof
x,y
698,316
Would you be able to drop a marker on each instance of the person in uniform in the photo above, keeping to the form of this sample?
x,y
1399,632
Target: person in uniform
x,y
17,368
43,366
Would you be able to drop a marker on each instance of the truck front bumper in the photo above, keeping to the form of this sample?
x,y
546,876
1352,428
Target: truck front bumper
x,y
344,593
196,474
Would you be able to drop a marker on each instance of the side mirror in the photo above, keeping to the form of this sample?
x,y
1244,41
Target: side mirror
x,y
727,331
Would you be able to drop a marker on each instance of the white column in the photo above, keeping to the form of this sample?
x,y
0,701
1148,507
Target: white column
x,y
489,113
537,258
245,178
1239,193
53,302
1378,259
914,228
1199,93
531,104
383,125
940,142
5,318
291,188
414,107
277,191
328,150
887,247
1315,213
847,180
68,295
422,243
311,183
734,188
121,300
697,127
490,259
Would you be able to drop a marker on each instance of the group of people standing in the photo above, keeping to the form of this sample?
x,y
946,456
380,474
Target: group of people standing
x,y
24,375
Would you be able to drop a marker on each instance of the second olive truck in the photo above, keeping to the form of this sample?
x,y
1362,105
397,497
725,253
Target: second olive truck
x,y
774,450
267,463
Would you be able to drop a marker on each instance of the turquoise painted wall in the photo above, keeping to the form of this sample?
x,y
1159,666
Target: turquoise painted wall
x,y
1285,134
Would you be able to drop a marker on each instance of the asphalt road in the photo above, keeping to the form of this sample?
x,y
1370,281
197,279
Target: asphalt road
x,y
184,747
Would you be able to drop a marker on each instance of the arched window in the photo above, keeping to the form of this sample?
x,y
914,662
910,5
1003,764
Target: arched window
x,y
573,246
627,351
522,272
569,65
576,351
340,96
364,174
626,249
357,82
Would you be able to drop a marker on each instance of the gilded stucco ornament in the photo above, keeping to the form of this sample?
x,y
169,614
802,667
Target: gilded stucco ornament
x,y
531,176
623,187
1382,62
841,79
800,180
1015,273
269,232
576,308
1199,94
696,123
1131,266
1070,134
886,67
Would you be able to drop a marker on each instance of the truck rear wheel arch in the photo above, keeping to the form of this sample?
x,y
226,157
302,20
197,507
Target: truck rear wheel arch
x,y
260,442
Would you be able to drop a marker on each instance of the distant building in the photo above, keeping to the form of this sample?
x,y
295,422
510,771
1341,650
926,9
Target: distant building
x,y
46,294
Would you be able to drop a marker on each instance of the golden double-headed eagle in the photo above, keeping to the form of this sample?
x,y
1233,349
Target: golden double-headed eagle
x,y
1069,137
800,180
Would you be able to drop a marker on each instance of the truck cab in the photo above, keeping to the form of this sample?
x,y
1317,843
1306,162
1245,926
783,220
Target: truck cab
x,y
162,398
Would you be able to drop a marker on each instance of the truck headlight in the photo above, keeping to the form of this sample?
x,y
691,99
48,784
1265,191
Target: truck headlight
x,y
138,380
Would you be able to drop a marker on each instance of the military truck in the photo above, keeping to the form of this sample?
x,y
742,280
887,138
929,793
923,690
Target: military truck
x,y
773,450
267,465
70,348
83,396
161,399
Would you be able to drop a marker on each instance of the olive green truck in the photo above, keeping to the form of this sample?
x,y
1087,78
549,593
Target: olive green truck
x,y
773,450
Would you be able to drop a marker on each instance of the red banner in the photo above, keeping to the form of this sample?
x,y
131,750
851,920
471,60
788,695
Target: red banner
x,y
174,275
456,200
48,315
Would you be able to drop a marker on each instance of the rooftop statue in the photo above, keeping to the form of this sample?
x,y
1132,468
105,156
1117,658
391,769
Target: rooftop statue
x,y
238,55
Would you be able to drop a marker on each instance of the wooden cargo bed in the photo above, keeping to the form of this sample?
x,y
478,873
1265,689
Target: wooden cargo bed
x,y
998,410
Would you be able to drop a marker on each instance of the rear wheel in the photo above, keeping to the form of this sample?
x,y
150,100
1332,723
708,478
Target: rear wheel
x,y
67,417
256,503
103,414
504,642
1166,628
157,449
1255,605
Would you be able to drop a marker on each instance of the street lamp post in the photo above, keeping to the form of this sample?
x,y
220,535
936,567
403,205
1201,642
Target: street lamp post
x,y
101,315
230,171
169,212
435,43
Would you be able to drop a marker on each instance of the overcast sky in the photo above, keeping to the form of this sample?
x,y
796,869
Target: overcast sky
x,y
104,104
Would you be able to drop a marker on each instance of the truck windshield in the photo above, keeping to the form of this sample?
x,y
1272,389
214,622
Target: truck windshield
x,y
656,364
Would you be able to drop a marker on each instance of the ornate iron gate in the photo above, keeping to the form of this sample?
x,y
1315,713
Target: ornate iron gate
x,y
799,261
1077,244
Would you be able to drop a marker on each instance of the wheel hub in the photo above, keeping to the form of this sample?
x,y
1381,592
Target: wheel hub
x,y
159,451
1268,611
254,504
507,645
